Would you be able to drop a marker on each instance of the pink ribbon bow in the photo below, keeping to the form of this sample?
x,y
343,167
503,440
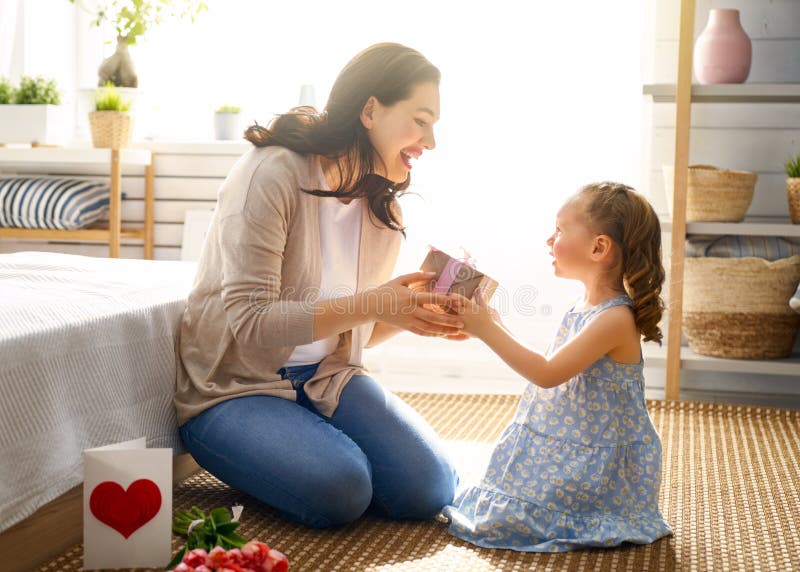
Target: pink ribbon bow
x,y
451,270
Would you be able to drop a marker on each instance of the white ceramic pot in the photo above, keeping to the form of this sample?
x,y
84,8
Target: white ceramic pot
x,y
228,126
43,124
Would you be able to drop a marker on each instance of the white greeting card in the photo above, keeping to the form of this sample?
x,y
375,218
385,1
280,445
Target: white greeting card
x,y
127,506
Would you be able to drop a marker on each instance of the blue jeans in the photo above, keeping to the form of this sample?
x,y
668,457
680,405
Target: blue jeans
x,y
321,471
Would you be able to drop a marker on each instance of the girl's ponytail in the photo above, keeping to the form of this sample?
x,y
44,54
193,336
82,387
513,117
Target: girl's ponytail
x,y
621,213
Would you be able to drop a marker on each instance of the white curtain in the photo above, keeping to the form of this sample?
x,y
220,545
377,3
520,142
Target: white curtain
x,y
8,26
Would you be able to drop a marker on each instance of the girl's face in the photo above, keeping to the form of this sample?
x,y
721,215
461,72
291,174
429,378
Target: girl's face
x,y
572,243
401,132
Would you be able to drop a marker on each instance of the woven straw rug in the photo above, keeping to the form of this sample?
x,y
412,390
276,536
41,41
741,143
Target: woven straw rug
x,y
731,492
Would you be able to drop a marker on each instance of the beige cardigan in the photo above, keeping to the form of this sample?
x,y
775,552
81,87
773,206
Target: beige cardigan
x,y
252,298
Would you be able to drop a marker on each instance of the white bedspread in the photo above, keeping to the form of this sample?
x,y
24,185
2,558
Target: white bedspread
x,y
87,358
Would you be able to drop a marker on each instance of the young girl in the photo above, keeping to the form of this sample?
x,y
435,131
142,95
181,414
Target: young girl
x,y
580,465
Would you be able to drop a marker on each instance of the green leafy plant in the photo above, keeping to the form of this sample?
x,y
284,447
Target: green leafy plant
x,y
37,91
132,18
109,99
6,91
228,109
216,529
792,167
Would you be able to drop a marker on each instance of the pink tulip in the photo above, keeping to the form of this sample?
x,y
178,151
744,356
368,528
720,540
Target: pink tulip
x,y
277,561
183,567
255,552
236,556
217,558
195,557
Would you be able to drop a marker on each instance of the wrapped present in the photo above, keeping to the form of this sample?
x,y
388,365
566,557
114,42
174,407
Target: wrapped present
x,y
457,276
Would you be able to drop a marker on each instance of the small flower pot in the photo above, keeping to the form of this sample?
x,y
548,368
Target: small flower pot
x,y
110,129
227,126
793,195
36,124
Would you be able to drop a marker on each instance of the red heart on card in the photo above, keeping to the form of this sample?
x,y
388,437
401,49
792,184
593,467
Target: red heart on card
x,y
125,511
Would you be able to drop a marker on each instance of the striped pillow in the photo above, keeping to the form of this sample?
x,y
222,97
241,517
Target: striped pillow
x,y
63,204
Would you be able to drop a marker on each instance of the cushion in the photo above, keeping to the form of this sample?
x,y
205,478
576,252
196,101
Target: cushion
x,y
54,203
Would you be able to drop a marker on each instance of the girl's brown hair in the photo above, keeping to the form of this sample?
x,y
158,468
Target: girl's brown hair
x,y
387,71
624,215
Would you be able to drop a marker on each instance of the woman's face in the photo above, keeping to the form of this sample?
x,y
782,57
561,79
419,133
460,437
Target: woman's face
x,y
401,132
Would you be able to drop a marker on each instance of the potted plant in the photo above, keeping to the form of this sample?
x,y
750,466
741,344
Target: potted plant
x,y
110,121
793,187
131,20
227,123
32,113
6,91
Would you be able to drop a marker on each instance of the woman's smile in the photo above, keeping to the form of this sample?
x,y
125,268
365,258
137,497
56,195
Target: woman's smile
x,y
408,155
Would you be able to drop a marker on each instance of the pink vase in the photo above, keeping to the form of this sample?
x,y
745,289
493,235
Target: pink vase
x,y
722,52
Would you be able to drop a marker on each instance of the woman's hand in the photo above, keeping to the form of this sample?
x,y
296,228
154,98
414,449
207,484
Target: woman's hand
x,y
478,316
401,302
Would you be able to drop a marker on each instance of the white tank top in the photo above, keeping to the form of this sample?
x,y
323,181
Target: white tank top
x,y
340,235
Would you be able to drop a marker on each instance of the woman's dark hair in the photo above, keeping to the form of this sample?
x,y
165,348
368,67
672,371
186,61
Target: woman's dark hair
x,y
387,71
621,213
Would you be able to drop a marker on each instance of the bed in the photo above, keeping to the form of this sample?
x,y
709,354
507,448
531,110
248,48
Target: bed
x,y
87,358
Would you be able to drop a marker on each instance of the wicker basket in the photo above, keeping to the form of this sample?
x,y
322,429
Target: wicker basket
x,y
793,194
713,194
739,307
110,129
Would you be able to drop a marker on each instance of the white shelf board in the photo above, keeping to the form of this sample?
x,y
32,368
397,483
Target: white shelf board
x,y
655,356
71,156
209,147
750,226
729,93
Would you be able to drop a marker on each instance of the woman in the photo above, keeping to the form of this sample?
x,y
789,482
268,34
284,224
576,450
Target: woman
x,y
292,283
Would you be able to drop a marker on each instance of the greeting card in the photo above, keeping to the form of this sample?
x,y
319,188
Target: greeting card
x,y
127,506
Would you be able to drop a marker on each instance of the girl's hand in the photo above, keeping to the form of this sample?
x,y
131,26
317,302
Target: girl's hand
x,y
477,315
401,303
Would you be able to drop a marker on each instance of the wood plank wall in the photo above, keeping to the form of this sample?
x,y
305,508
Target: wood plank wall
x,y
755,137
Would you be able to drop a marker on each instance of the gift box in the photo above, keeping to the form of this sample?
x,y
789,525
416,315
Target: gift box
x,y
458,276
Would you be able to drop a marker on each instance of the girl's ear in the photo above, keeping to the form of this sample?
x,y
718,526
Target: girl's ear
x,y
368,112
602,247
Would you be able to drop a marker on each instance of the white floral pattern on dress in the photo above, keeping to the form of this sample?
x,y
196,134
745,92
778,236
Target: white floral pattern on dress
x,y
579,466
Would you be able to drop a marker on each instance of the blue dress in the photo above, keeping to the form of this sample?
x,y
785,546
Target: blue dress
x,y
579,466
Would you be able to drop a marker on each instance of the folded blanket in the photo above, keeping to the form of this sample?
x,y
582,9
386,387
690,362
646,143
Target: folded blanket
x,y
730,246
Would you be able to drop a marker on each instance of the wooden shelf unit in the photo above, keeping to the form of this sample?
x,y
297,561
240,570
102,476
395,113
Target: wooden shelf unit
x,y
728,93
20,158
691,361
750,226
677,357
